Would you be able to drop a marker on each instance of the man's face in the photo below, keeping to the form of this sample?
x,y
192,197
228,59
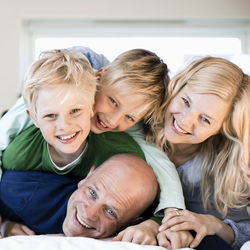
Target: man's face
x,y
103,203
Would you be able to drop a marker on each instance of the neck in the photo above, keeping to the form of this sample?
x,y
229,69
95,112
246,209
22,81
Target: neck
x,y
182,153
62,159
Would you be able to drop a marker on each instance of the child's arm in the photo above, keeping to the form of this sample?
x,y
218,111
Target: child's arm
x,y
12,123
171,195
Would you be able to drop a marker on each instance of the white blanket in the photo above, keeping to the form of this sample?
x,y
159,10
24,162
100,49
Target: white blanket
x,y
44,242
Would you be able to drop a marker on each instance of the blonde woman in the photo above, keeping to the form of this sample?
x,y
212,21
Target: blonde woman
x,y
205,131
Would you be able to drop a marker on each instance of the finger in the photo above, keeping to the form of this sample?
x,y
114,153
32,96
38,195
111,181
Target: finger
x,y
143,239
27,230
184,226
173,217
163,240
126,236
119,236
197,240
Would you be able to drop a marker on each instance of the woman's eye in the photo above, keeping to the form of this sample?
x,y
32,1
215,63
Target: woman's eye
x,y
205,120
185,101
130,118
112,100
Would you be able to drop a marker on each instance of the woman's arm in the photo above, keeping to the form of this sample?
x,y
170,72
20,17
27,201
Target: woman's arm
x,y
171,194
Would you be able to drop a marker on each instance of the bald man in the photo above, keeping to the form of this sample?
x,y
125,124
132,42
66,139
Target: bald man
x,y
110,197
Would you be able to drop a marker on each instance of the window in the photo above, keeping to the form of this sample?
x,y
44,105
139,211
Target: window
x,y
175,42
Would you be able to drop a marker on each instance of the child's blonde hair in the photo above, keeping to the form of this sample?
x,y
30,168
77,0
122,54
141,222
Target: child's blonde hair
x,y
139,71
59,67
224,157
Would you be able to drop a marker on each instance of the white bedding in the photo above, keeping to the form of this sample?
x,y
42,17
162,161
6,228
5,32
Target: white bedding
x,y
44,242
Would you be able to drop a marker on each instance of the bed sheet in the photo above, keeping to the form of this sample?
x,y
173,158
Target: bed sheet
x,y
45,242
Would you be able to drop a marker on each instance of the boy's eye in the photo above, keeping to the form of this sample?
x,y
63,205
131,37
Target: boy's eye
x,y
186,102
112,100
50,116
130,118
74,111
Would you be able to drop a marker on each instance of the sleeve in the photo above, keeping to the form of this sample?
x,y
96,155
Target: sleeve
x,y
12,123
241,232
96,60
171,194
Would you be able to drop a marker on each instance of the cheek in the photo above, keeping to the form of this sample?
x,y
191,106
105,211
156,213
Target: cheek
x,y
100,103
109,226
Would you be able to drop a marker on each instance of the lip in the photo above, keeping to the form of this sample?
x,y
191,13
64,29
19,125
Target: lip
x,y
69,140
173,126
77,221
99,122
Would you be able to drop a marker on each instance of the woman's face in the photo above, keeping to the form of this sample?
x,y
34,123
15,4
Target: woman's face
x,y
191,118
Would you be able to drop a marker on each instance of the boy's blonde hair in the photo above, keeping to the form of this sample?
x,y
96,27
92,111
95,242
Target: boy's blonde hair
x,y
55,68
139,71
225,157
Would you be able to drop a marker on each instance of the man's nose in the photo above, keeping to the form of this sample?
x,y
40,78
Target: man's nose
x,y
92,211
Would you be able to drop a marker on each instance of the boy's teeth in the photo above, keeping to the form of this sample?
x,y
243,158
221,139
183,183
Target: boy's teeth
x,y
178,128
103,124
67,137
81,222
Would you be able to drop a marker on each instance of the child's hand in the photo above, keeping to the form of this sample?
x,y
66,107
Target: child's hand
x,y
144,233
11,228
174,240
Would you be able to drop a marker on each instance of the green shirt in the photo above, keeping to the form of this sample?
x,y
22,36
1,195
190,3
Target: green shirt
x,y
28,151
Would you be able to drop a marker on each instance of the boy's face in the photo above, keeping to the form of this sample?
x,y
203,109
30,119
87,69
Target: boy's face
x,y
115,111
63,117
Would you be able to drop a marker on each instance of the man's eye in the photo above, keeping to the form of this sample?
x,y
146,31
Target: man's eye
x,y
130,118
186,102
92,192
111,212
112,100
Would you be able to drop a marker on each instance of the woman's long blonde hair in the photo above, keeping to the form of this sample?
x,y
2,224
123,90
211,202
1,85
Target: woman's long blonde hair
x,y
224,157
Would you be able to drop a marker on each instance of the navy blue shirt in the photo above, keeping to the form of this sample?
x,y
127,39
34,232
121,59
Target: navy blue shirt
x,y
36,199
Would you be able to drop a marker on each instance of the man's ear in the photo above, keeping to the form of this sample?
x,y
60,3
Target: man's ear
x,y
89,174
99,73
31,117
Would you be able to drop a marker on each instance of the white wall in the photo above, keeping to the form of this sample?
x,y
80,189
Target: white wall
x,y
14,12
